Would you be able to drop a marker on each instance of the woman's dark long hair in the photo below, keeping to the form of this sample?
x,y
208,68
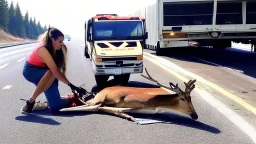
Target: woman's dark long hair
x,y
58,55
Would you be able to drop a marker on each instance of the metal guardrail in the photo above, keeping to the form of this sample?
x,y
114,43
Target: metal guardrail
x,y
15,44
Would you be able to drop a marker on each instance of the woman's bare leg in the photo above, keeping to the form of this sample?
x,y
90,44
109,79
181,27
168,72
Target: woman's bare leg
x,y
49,83
43,85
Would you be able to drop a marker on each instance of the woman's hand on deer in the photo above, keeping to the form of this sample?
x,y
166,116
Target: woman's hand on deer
x,y
79,90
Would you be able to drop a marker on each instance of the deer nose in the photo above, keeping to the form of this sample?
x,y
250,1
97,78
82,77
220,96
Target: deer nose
x,y
194,116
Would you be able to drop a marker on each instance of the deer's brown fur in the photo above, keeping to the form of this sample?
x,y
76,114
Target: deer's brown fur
x,y
119,99
140,99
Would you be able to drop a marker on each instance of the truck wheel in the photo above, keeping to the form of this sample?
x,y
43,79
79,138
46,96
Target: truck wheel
x,y
101,81
122,79
159,51
86,52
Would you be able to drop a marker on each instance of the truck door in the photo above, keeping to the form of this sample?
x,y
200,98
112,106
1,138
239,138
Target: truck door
x,y
89,38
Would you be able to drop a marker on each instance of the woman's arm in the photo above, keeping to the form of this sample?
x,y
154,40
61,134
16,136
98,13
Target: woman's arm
x,y
45,55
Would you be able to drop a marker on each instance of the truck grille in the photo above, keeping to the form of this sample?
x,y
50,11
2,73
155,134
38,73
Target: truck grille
x,y
118,59
121,65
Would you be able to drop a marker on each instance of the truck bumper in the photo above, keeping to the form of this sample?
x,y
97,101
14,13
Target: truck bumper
x,y
117,71
168,44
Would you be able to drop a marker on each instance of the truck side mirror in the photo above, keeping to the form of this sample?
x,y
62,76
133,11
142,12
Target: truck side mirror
x,y
146,35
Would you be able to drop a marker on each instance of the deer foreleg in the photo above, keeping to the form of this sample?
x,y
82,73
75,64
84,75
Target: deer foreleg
x,y
118,112
88,108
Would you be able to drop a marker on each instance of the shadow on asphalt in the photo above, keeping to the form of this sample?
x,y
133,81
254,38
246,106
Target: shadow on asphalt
x,y
39,116
179,120
165,119
236,59
34,118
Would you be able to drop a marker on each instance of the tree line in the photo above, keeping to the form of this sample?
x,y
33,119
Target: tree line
x,y
12,21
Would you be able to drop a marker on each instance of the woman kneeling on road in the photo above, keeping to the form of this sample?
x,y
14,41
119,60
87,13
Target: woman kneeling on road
x,y
44,67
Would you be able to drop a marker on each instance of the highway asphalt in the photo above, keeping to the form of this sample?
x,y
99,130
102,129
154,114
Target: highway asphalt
x,y
214,125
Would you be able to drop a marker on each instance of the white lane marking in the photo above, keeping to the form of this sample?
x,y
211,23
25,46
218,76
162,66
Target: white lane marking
x,y
217,64
15,47
235,70
4,65
231,115
222,108
15,52
20,59
7,87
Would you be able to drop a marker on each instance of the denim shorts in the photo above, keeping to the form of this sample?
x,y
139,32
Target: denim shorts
x,y
34,74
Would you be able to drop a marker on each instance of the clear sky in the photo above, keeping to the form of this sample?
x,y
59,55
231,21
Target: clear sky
x,y
69,15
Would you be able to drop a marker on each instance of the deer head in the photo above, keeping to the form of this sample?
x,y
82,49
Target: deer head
x,y
184,96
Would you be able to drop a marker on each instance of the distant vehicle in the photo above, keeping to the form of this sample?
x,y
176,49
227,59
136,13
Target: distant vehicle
x,y
68,37
106,15
216,23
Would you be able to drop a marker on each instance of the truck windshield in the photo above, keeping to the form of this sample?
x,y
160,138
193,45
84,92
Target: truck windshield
x,y
114,30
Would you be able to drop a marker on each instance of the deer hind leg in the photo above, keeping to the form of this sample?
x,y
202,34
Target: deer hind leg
x,y
118,112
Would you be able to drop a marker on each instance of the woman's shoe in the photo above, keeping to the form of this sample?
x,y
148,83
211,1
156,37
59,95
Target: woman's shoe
x,y
29,107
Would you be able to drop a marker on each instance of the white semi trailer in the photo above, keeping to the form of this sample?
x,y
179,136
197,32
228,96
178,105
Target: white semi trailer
x,y
174,23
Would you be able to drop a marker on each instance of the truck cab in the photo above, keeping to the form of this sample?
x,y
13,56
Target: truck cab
x,y
115,46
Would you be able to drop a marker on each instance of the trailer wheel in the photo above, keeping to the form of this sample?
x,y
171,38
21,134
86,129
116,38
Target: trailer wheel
x,y
122,79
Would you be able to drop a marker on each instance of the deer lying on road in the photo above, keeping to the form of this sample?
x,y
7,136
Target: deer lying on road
x,y
119,100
